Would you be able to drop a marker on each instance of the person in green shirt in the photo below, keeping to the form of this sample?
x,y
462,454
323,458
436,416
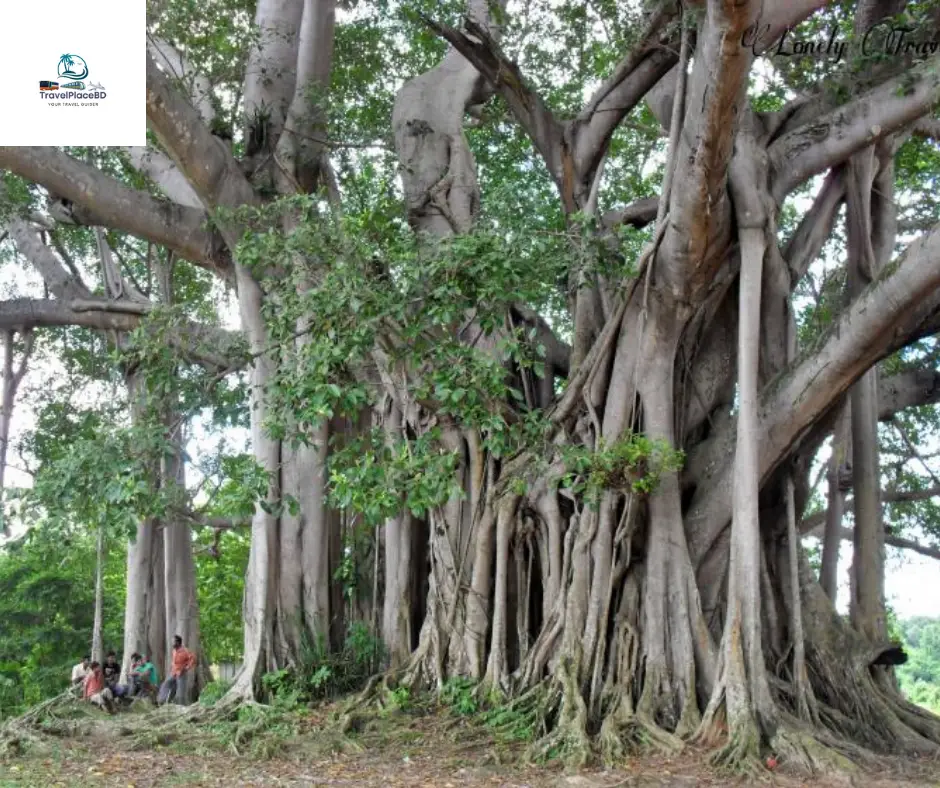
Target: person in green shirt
x,y
143,676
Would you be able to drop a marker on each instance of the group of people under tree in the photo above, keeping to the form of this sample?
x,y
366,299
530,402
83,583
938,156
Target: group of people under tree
x,y
100,684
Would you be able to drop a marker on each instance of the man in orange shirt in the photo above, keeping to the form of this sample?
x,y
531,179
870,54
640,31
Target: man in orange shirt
x,y
176,685
95,691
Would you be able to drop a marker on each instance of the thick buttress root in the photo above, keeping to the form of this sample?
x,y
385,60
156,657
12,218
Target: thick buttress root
x,y
799,749
568,739
381,693
624,733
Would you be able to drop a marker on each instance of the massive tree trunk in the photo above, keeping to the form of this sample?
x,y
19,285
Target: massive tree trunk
x,y
144,612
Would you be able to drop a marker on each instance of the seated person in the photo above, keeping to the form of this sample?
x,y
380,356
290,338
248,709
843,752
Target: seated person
x,y
112,674
95,691
143,677
111,670
80,671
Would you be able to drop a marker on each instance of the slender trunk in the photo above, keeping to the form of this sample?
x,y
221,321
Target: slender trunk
x,y
804,700
156,608
829,572
743,689
260,580
144,609
97,646
396,607
478,607
676,643
12,377
315,535
182,606
747,691
868,607
6,419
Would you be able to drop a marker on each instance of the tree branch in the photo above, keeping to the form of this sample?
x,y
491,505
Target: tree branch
x,y
60,282
811,524
528,107
198,86
907,390
813,231
836,135
700,213
111,204
632,78
208,166
887,315
572,150
638,214
928,128
848,535
209,346
876,323
163,172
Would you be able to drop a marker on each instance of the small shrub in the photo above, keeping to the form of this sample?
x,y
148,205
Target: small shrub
x,y
458,695
400,698
213,692
322,674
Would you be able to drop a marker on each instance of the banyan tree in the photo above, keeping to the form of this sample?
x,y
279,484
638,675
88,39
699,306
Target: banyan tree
x,y
523,290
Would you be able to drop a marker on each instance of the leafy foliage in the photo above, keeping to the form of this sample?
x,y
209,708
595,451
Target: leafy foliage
x,y
633,462
920,675
47,589
325,674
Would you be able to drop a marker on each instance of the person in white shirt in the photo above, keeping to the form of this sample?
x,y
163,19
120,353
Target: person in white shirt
x,y
80,670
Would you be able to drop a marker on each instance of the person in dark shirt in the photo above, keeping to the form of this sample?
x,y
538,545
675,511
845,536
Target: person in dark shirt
x,y
111,670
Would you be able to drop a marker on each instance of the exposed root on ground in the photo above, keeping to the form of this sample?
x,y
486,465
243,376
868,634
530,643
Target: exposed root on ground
x,y
740,753
624,732
803,750
383,693
567,740
62,716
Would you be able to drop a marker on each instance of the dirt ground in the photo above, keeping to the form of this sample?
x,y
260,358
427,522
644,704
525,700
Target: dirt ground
x,y
432,751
